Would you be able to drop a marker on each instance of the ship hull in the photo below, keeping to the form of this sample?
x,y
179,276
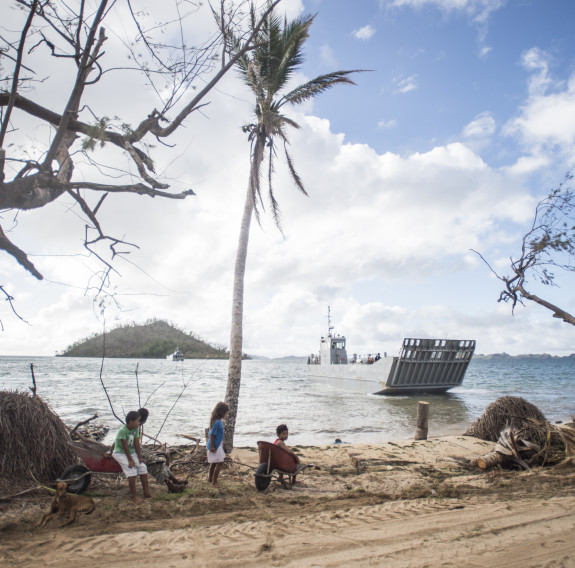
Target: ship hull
x,y
423,366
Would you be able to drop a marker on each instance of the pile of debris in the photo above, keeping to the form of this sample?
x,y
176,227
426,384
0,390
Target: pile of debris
x,y
34,442
94,432
524,437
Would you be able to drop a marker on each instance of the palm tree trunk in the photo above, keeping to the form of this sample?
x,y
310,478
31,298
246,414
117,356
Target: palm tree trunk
x,y
236,336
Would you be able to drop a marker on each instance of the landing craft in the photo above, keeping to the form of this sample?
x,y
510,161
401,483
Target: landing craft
x,y
423,365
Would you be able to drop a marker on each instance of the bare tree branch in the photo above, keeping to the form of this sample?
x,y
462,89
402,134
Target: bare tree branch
x,y
34,175
15,77
548,245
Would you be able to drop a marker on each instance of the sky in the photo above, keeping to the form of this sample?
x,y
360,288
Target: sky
x,y
461,121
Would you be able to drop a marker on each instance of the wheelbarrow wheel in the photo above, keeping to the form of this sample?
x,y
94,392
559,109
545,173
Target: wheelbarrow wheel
x,y
262,479
74,472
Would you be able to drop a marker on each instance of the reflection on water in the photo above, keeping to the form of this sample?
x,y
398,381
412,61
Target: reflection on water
x,y
449,409
275,392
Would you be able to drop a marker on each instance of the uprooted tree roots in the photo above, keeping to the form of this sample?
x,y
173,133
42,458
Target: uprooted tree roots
x,y
34,442
524,436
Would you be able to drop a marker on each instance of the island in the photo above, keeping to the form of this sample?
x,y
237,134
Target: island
x,y
154,339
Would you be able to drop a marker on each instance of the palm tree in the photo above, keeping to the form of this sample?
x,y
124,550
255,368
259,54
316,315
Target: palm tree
x,y
267,70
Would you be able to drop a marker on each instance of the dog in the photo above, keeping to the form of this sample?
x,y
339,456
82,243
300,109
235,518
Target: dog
x,y
63,503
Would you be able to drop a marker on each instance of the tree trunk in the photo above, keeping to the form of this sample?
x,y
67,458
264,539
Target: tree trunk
x,y
557,312
490,459
236,335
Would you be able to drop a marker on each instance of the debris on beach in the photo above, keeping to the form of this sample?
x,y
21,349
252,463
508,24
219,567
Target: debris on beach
x,y
34,442
94,432
498,415
524,437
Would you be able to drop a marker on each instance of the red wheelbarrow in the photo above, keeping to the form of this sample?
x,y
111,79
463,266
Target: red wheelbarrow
x,y
273,461
78,477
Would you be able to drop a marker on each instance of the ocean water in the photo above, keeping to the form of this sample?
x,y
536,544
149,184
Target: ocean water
x,y
181,395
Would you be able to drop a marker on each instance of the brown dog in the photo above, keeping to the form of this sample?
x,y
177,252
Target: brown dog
x,y
64,503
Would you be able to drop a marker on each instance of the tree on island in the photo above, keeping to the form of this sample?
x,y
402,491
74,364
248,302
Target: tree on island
x,y
267,70
153,339
71,161
548,245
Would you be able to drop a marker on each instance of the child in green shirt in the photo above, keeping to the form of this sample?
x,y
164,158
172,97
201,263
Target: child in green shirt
x,y
128,454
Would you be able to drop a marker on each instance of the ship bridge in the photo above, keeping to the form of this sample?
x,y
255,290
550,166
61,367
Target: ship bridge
x,y
332,350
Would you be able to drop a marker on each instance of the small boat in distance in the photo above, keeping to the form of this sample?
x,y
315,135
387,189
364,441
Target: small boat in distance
x,y
177,355
423,365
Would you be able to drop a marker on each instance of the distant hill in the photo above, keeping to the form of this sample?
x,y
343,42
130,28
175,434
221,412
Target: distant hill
x,y
525,356
154,339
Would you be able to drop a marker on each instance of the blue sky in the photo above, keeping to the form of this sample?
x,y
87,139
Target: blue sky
x,y
465,119
433,68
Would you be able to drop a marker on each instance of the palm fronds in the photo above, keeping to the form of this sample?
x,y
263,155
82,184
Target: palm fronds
x,y
528,432
267,70
34,442
505,411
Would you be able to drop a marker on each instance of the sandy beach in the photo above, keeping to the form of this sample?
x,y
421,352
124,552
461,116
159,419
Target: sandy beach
x,y
397,504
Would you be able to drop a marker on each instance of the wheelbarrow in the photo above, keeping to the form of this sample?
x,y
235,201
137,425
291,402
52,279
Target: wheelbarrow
x,y
273,461
78,477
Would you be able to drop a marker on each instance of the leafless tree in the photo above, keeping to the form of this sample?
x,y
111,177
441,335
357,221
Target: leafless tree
x,y
547,246
71,37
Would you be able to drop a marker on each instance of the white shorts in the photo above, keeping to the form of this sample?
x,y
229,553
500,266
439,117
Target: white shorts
x,y
218,456
122,459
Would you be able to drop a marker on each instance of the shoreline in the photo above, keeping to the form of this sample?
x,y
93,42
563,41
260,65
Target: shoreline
x,y
399,503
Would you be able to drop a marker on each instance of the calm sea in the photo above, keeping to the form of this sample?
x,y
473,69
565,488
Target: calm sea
x,y
276,391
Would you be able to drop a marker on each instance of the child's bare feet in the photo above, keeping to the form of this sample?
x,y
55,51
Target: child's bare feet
x,y
148,496
138,500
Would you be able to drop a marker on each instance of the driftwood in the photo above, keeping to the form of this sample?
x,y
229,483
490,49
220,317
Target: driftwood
x,y
82,424
510,449
9,497
491,459
156,441
197,440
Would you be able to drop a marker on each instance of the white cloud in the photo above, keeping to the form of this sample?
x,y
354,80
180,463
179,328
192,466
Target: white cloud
x,y
364,33
387,124
400,224
482,125
291,8
418,209
537,61
546,122
478,10
406,84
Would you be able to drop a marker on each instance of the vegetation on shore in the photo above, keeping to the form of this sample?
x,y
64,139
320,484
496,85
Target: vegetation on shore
x,y
154,339
524,356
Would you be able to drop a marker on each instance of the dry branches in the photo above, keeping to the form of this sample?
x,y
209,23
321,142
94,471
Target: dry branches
x,y
548,245
505,411
524,437
34,442
33,175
